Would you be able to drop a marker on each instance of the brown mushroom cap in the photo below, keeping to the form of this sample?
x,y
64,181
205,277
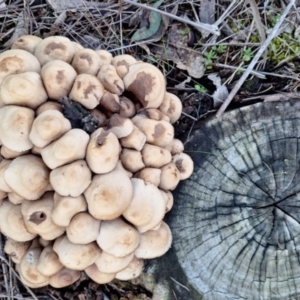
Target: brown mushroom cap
x,y
147,207
154,114
122,63
133,270
69,147
86,61
37,217
64,277
65,208
27,43
108,195
58,78
48,127
87,90
110,102
127,108
102,153
118,238
17,61
106,57
16,250
72,179
30,91
184,164
169,177
28,176
75,256
54,48
83,229
154,243
99,277
171,106
15,125
120,126
154,156
147,83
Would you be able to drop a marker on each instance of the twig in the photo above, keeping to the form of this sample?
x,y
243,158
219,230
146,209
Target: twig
x,y
254,60
207,27
257,74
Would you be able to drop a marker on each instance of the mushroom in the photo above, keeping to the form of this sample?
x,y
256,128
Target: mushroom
x,y
135,140
127,108
9,154
58,78
44,243
133,270
106,57
132,160
64,277
12,224
86,61
83,229
15,125
169,177
110,102
147,207
37,217
14,198
77,46
102,152
99,116
54,48
119,166
28,176
184,164
168,196
154,156
154,243
16,250
151,175
109,195
27,43
4,164
154,114
48,262
171,106
75,256
175,147
120,126
17,61
87,90
118,238
99,277
48,106
147,83
122,63
65,208
111,80
69,147
30,91
72,179
47,127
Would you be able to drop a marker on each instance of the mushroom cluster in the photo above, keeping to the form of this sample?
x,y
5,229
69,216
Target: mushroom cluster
x,y
93,200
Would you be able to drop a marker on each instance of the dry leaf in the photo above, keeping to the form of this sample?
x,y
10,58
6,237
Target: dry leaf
x,y
221,93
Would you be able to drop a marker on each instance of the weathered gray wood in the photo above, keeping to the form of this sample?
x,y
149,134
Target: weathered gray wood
x,y
236,221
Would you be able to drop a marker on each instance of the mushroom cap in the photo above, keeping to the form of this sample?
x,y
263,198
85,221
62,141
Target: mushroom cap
x,y
168,196
120,126
132,160
119,166
147,207
135,140
15,125
171,106
87,90
77,46
83,229
64,277
110,102
4,164
127,108
106,57
65,208
176,146
27,43
9,154
122,63
118,238
69,147
154,114
109,195
12,224
147,83
86,61
48,127
28,176
169,177
72,179
16,250
76,256
14,198
48,263
154,156
99,277
154,243
29,274
102,152
17,61
37,217
110,79
48,106
133,270
58,78
184,164
30,91
108,263
54,48
151,175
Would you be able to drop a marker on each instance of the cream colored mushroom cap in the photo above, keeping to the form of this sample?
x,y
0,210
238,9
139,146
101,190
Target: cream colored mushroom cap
x,y
109,195
169,177
15,125
54,48
17,61
184,164
30,91
47,127
86,61
133,270
122,63
171,106
27,43
105,56
154,156
64,277
98,276
4,164
147,83
28,176
16,250
118,238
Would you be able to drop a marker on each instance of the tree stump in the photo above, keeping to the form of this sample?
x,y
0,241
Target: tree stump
x,y
236,220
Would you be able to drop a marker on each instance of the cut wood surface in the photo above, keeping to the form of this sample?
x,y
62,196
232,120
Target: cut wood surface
x,y
236,220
